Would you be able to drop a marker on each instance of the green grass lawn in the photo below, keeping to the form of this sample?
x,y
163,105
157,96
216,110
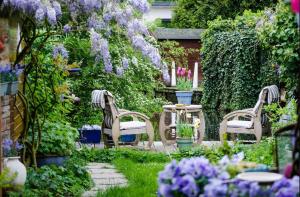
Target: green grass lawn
x,y
142,179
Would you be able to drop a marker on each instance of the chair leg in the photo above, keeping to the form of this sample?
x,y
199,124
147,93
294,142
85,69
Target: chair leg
x,y
150,132
222,131
115,139
258,134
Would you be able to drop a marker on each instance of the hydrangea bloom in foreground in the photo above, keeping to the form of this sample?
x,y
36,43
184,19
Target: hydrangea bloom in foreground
x,y
198,177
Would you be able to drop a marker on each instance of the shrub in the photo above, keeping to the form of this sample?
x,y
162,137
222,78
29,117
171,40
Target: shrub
x,y
196,14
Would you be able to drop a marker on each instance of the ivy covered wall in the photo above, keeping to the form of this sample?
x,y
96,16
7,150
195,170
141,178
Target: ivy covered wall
x,y
235,65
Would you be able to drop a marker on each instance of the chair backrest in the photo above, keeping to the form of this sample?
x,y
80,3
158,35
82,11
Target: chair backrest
x,y
261,100
104,99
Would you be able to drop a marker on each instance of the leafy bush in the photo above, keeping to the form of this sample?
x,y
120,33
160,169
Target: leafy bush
x,y
281,38
235,67
58,138
261,153
196,14
281,116
70,180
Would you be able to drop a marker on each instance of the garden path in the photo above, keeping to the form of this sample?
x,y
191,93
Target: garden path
x,y
104,176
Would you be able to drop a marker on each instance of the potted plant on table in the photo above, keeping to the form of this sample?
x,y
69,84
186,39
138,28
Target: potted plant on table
x,y
184,85
9,80
185,133
12,163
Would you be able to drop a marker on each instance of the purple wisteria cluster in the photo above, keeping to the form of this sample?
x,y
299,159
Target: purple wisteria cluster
x,y
60,51
40,10
198,177
102,16
11,149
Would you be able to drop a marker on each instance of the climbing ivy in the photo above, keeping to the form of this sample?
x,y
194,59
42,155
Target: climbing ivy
x,y
235,67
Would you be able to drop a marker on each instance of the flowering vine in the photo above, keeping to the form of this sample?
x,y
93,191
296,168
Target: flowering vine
x,y
101,16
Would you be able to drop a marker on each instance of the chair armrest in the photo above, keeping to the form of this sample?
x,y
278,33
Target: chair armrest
x,y
130,113
239,113
123,110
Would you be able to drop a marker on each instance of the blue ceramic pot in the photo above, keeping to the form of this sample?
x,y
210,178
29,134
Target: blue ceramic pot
x,y
51,160
184,97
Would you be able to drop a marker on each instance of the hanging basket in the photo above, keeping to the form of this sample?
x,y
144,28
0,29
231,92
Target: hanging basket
x,y
9,88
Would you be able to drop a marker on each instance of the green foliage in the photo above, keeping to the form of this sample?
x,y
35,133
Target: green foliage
x,y
281,116
132,91
184,84
281,37
261,153
184,130
70,180
142,179
172,51
6,178
109,155
58,138
235,67
196,14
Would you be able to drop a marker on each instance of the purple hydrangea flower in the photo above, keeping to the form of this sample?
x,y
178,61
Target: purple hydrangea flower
x,y
215,188
187,185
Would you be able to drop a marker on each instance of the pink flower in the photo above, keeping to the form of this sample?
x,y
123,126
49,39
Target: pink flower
x,y
189,74
178,71
183,70
295,4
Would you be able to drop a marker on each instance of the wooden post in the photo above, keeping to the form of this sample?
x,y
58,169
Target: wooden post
x,y
195,78
173,75
1,156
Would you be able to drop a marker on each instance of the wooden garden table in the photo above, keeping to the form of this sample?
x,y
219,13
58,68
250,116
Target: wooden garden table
x,y
175,109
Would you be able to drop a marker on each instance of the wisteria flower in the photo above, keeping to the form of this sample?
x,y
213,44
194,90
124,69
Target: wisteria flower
x,y
60,50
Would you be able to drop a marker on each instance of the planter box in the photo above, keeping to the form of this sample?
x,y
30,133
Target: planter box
x,y
184,143
9,88
90,136
51,160
184,97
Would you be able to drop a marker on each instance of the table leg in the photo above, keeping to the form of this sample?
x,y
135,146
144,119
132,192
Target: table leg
x,y
201,129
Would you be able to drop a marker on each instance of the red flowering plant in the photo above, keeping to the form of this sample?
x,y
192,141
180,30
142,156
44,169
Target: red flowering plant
x,y
184,79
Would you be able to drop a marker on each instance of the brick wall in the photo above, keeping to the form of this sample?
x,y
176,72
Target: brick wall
x,y
6,118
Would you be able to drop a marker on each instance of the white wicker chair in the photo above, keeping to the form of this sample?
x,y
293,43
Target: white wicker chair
x,y
112,124
247,121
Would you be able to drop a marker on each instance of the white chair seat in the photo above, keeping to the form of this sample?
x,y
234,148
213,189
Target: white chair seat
x,y
239,124
132,125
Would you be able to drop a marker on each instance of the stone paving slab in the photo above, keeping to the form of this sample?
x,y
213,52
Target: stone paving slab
x,y
104,176
107,175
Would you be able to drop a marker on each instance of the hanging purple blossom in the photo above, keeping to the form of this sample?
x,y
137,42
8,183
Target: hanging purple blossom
x,y
141,5
120,71
125,63
57,9
40,15
67,28
60,50
51,15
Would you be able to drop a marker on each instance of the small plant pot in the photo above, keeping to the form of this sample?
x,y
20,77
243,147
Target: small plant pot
x,y
51,160
9,88
17,169
184,97
184,143
90,136
127,138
